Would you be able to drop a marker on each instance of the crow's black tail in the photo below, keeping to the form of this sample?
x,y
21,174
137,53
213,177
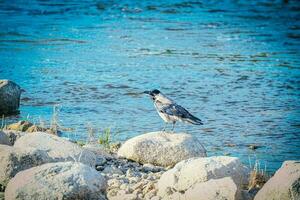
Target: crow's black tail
x,y
194,120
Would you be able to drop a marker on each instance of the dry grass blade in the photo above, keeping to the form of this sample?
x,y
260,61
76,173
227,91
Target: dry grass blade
x,y
258,177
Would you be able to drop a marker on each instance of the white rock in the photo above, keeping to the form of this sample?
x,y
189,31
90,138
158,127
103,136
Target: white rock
x,y
133,180
214,189
113,183
162,149
284,185
196,170
62,180
111,193
57,148
4,139
123,187
150,194
13,160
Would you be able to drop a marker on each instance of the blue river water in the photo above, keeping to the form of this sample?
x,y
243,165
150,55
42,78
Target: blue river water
x,y
234,64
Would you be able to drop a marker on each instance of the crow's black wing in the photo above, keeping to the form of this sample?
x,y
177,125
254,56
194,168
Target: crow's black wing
x,y
180,112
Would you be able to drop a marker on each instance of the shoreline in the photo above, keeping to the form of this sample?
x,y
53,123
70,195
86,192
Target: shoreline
x,y
131,170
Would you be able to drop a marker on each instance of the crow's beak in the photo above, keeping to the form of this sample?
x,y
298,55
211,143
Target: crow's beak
x,y
147,92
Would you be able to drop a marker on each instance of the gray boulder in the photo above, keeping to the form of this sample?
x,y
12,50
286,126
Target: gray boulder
x,y
59,149
14,160
10,94
284,185
161,148
13,135
4,139
62,180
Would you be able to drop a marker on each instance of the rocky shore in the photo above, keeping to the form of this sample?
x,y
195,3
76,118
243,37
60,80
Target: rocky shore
x,y
152,166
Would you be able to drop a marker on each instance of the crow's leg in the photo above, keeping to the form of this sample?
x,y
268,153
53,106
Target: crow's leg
x,y
173,126
165,126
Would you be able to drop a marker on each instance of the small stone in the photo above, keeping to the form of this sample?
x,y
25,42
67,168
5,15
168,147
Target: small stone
x,y
112,170
140,196
113,183
144,176
123,186
148,187
115,175
137,186
151,178
129,173
121,192
99,168
150,194
155,198
112,193
137,191
134,180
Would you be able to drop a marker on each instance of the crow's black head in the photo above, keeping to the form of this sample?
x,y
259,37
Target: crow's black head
x,y
153,92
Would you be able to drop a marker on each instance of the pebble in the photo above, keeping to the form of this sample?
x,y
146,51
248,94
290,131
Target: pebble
x,y
155,198
129,180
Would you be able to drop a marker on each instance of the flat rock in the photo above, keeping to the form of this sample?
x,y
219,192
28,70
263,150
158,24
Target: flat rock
x,y
59,149
14,160
284,185
188,173
161,148
10,94
62,180
4,139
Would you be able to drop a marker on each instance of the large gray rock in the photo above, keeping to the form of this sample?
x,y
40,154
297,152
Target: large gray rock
x,y
13,160
13,135
4,139
214,189
59,149
62,180
162,149
284,185
188,173
10,94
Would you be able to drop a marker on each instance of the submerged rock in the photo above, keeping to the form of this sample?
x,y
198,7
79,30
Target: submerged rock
x,y
63,180
4,139
188,173
14,160
284,185
57,148
161,148
10,94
